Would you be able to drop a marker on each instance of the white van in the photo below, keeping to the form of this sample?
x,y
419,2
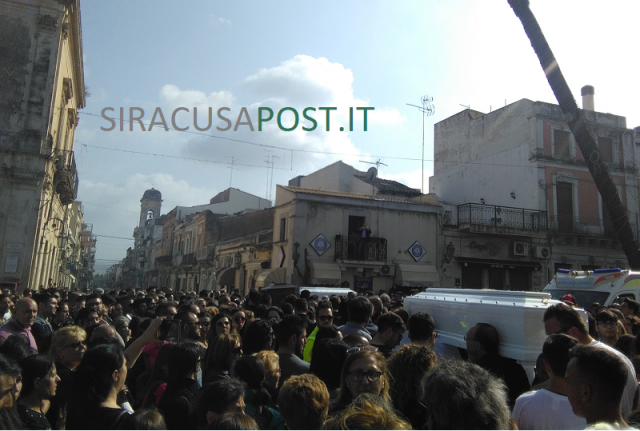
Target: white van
x,y
603,286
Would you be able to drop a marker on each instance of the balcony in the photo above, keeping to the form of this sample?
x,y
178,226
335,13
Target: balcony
x,y
205,253
347,248
582,226
499,219
164,261
184,259
66,177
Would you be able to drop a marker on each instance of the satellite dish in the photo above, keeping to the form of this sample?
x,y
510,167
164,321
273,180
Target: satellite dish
x,y
372,173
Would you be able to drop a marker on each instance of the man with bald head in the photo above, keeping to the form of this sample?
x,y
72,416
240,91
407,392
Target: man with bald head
x,y
483,344
20,324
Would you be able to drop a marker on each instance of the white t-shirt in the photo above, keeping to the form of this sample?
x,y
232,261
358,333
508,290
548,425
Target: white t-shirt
x,y
545,410
626,404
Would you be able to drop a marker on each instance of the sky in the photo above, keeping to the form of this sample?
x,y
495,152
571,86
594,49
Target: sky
x,y
163,55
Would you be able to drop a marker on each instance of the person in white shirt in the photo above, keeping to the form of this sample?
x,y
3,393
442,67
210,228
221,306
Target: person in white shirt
x,y
562,319
595,382
550,408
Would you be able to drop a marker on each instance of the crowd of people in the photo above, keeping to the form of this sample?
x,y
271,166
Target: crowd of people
x,y
158,359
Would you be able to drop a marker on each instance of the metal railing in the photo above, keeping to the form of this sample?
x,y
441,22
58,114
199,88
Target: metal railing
x,y
500,216
66,177
579,225
350,248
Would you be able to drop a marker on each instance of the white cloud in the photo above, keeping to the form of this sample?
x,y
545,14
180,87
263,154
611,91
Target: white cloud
x,y
218,20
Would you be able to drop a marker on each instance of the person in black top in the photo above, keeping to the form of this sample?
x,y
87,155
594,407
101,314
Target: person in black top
x,y
391,329
483,343
39,383
99,378
178,403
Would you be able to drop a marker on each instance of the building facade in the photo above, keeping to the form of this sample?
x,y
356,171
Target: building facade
x,y
42,89
520,201
318,240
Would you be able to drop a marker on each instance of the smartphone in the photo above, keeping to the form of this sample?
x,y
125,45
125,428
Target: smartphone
x,y
170,330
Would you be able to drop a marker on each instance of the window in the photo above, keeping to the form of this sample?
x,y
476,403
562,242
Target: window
x,y
283,229
564,203
561,143
605,145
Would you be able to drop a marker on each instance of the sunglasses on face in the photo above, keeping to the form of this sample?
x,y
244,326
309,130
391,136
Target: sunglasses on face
x,y
77,344
358,348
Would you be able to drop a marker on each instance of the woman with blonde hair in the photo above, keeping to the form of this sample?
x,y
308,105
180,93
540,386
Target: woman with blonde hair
x,y
271,362
223,350
68,346
364,371
367,412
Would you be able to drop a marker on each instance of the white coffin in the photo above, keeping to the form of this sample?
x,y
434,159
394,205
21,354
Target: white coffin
x,y
516,315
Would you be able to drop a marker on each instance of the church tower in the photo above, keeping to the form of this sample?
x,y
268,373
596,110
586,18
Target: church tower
x,y
150,205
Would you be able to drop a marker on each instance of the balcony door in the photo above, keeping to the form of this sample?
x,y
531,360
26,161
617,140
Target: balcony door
x,y
564,204
355,223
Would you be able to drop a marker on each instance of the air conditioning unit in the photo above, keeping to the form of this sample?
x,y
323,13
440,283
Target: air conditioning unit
x,y
389,270
542,252
520,248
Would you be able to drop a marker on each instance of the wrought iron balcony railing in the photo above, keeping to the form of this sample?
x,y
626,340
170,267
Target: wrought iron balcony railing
x,y
349,247
502,217
66,177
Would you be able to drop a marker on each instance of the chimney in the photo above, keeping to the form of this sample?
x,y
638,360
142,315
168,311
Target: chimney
x,y
587,98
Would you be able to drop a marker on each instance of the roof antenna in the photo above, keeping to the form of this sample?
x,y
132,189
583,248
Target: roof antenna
x,y
427,110
373,173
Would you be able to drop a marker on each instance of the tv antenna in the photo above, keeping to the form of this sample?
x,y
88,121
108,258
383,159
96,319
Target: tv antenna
x,y
373,172
269,162
231,167
427,109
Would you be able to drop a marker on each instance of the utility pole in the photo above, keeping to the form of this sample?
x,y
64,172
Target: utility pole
x,y
427,110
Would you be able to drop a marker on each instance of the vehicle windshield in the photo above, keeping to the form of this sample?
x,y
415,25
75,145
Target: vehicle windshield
x,y
583,298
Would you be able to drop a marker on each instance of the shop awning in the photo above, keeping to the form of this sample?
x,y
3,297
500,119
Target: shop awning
x,y
415,275
271,276
226,277
327,273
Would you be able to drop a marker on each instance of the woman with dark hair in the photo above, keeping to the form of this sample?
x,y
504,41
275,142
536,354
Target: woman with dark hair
x,y
233,421
258,335
179,400
222,351
407,367
251,370
204,321
275,313
39,383
364,370
152,392
10,379
99,378
327,360
221,323
330,331
219,397
239,319
121,324
145,419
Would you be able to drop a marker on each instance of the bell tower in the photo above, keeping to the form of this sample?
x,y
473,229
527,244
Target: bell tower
x,y
150,205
